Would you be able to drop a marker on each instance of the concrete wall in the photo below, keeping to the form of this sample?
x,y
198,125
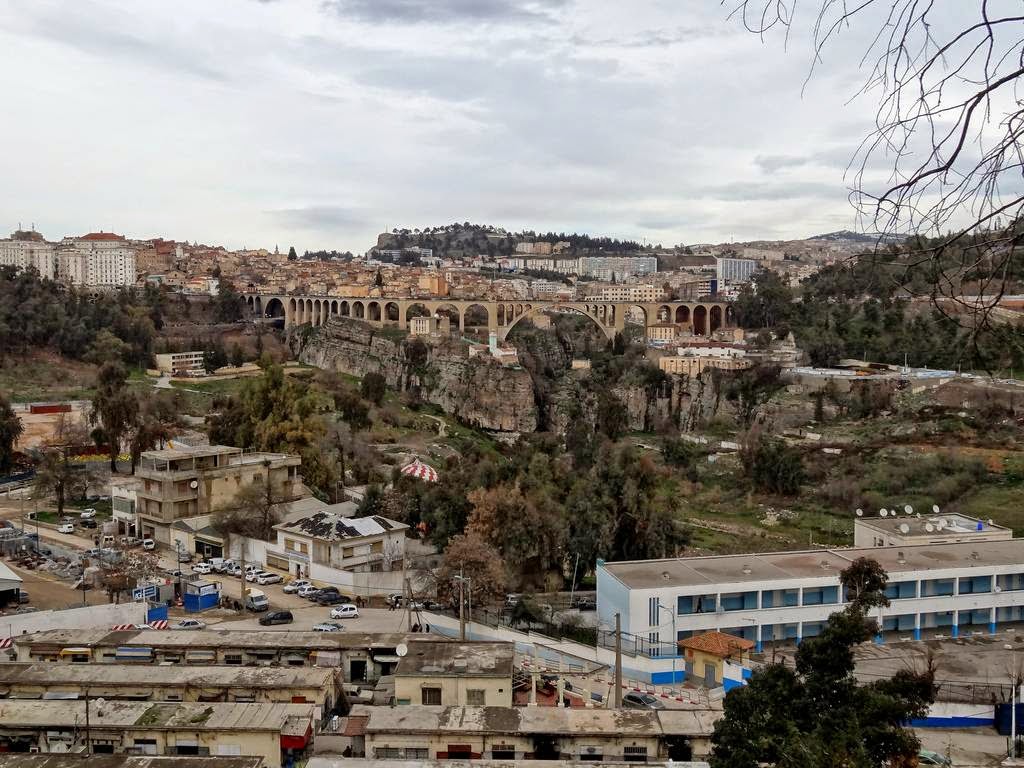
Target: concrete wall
x,y
946,714
497,691
90,617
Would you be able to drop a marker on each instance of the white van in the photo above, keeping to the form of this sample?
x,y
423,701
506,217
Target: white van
x,y
257,600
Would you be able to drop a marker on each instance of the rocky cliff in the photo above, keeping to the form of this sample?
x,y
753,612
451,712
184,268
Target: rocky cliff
x,y
477,391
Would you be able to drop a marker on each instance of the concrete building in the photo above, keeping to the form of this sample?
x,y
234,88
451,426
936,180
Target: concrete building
x,y
733,270
85,760
692,361
130,680
182,363
139,727
661,332
938,588
423,326
614,268
97,260
28,250
362,657
528,733
640,293
191,481
706,654
326,541
455,674
941,527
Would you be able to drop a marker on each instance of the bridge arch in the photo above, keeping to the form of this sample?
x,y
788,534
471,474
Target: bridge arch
x,y
358,310
683,315
416,309
451,312
476,308
579,309
664,314
393,313
715,316
373,312
700,320
274,308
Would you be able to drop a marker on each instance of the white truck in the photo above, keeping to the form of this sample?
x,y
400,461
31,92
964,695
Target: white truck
x,y
257,600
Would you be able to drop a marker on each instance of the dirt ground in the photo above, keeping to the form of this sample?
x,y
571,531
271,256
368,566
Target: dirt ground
x,y
40,428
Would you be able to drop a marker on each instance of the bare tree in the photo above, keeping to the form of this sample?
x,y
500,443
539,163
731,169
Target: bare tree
x,y
945,77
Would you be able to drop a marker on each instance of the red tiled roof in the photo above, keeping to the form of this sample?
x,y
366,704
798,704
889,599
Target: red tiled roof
x,y
101,236
355,725
717,644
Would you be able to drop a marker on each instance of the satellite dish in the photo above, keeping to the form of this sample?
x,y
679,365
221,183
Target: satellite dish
x,y
929,527
194,484
860,512
904,528
883,512
908,509
401,650
935,509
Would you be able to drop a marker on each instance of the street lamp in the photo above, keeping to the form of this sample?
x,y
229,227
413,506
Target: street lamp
x,y
462,602
675,638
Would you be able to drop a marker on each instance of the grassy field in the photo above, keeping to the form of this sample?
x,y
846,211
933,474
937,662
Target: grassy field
x,y
44,377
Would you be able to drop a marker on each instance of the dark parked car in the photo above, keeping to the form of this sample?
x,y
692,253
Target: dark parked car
x,y
584,604
314,596
332,598
634,700
277,617
87,522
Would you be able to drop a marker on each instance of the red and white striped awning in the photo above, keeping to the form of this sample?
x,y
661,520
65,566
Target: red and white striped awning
x,y
420,471
159,624
5,642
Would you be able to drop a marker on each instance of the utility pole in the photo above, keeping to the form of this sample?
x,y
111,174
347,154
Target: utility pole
x,y
618,661
88,735
462,610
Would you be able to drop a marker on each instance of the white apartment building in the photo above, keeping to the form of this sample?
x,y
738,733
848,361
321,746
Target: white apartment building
x,y
732,270
97,260
617,267
938,588
28,250
178,363
638,293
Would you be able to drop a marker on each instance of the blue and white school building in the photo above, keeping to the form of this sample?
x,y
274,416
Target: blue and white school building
x,y
948,575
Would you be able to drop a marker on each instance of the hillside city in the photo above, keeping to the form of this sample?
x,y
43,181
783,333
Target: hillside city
x,y
706,452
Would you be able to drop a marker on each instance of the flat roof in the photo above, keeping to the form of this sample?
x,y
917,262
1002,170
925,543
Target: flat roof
x,y
142,715
448,659
937,526
223,638
535,720
811,564
113,675
24,760
328,525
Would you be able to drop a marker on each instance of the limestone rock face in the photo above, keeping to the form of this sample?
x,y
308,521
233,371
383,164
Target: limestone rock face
x,y
478,391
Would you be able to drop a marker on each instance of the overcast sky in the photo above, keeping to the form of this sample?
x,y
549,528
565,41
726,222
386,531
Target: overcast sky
x,y
318,123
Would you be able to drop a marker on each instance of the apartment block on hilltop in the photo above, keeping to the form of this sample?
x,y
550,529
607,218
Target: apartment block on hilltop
x,y
97,260
29,250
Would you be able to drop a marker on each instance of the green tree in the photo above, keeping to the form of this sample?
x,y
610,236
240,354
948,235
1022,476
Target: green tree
x,y
11,429
773,466
156,422
818,715
114,408
468,554
678,452
751,388
292,255
56,473
373,387
229,305
764,302
237,356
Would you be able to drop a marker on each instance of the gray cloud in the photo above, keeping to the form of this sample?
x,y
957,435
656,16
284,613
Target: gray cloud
x,y
320,217
446,11
741,191
76,27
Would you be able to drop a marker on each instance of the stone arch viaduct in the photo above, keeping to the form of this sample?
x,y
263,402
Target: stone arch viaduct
x,y
699,317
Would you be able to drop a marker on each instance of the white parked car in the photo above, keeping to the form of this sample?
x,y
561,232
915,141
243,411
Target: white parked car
x,y
66,528
148,544
88,514
265,577
203,568
189,624
295,586
234,569
345,611
307,589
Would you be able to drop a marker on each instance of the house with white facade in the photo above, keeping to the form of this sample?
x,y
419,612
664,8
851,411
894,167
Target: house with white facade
x,y
328,546
944,588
